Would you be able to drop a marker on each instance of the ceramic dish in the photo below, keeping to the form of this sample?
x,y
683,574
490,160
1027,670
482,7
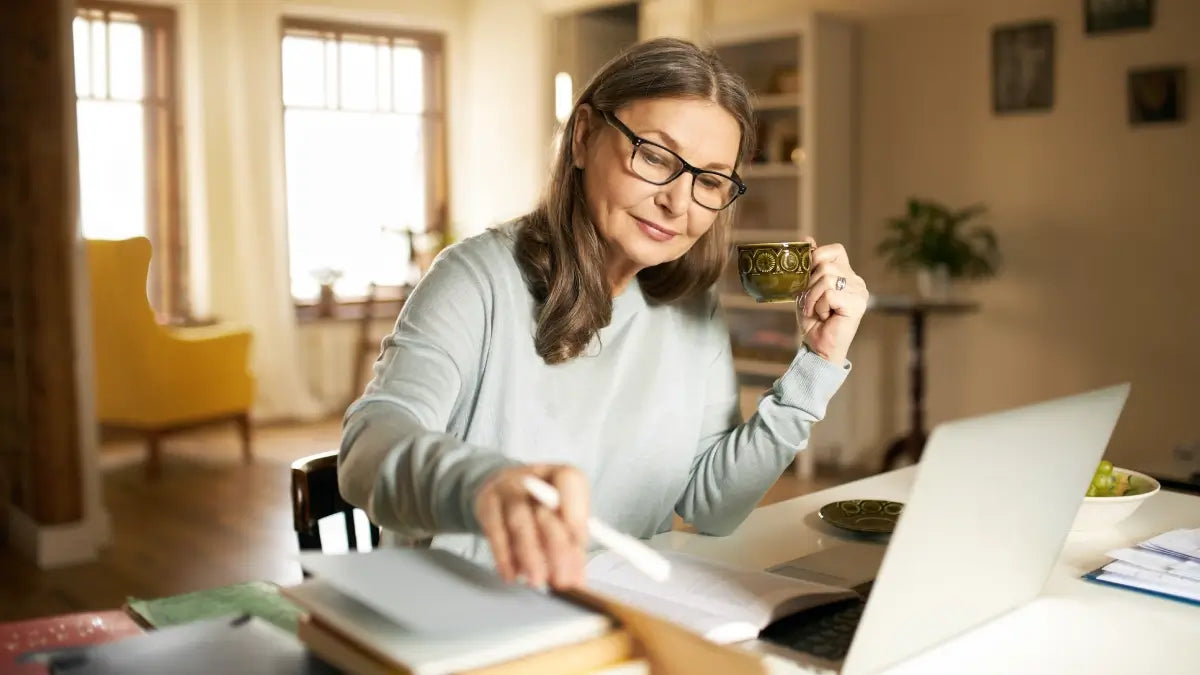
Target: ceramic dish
x,y
876,516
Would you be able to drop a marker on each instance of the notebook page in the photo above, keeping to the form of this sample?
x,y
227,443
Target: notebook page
x,y
708,589
711,626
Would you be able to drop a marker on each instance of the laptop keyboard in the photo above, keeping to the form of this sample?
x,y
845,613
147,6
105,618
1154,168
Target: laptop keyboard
x,y
824,631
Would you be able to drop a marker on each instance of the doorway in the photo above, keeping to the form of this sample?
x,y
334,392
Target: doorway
x,y
582,42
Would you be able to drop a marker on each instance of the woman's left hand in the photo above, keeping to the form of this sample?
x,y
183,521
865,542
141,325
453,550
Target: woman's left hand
x,y
830,310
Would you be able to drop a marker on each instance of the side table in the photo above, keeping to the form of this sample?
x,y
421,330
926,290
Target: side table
x,y
911,444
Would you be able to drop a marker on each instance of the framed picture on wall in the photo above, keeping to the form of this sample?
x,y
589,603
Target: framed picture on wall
x,y
1157,95
1105,16
1023,67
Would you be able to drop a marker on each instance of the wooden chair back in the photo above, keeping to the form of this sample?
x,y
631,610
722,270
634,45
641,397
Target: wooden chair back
x,y
315,496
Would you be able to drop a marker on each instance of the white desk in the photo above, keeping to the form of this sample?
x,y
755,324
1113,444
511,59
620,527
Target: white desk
x,y
1075,626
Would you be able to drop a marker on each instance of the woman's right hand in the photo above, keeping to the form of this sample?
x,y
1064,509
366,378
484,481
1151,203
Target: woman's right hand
x,y
528,540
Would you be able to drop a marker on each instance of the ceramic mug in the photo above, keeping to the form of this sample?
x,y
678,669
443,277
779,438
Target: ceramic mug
x,y
774,271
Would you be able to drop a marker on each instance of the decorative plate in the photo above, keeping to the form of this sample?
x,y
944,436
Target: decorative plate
x,y
863,515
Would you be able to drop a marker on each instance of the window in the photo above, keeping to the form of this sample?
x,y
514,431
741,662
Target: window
x,y
364,130
128,154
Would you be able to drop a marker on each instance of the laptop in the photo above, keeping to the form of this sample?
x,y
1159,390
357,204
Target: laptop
x,y
992,501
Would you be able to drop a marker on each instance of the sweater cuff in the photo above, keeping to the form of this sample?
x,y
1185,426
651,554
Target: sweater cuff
x,y
810,382
457,513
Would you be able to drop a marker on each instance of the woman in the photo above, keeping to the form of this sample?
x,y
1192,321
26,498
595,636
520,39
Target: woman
x,y
583,344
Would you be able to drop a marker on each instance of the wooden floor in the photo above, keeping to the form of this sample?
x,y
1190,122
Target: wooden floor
x,y
208,521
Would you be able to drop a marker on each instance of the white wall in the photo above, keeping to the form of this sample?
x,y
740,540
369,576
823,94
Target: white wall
x,y
509,113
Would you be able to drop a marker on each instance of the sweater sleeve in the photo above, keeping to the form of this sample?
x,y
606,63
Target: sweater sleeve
x,y
736,463
396,461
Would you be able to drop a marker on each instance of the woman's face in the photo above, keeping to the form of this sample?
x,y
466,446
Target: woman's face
x,y
642,223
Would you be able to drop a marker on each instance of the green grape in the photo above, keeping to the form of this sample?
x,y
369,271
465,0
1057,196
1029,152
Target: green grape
x,y
1104,481
1104,484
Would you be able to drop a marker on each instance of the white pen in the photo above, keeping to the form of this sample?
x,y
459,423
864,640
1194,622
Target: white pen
x,y
638,554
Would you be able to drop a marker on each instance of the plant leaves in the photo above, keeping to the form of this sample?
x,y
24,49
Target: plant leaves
x,y
930,235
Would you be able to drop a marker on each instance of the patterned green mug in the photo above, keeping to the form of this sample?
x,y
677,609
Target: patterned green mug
x,y
774,272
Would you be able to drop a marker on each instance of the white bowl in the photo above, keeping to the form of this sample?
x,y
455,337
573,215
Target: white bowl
x,y
1100,512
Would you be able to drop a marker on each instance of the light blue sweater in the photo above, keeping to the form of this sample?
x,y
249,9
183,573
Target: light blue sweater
x,y
649,413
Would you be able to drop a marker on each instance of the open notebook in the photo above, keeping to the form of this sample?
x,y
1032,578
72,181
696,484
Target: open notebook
x,y
725,604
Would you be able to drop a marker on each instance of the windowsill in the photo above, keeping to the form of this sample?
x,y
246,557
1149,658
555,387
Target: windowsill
x,y
349,310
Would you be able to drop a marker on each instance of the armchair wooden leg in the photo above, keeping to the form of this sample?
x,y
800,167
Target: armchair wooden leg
x,y
244,429
153,454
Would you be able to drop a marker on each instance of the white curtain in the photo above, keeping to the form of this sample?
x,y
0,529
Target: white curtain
x,y
241,156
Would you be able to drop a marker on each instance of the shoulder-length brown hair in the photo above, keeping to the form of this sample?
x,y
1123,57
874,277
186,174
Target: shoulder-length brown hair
x,y
561,254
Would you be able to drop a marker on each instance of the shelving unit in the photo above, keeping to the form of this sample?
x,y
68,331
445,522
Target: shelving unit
x,y
801,70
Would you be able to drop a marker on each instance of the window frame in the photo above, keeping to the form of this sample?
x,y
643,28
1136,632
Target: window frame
x,y
168,288
434,117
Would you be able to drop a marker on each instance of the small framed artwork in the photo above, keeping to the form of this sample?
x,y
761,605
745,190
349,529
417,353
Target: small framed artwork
x,y
1157,95
1023,67
1106,16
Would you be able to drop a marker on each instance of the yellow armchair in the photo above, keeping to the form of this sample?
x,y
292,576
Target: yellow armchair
x,y
152,379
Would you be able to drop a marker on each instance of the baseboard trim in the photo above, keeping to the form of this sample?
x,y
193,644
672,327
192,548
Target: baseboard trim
x,y
50,546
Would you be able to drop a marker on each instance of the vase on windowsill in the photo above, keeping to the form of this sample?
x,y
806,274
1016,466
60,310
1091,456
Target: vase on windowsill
x,y
326,277
326,301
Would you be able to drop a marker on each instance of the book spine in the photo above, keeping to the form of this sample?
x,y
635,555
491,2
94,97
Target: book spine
x,y
340,653
607,650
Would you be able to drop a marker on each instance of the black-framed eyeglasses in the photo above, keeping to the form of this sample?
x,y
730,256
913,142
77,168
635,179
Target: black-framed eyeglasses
x,y
658,165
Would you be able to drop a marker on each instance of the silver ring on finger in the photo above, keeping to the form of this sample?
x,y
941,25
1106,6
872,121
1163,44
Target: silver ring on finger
x,y
840,284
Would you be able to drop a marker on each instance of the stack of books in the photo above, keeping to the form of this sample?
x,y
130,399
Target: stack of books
x,y
1167,565
427,612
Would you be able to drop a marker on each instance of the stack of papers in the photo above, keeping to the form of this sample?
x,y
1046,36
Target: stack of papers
x,y
1167,565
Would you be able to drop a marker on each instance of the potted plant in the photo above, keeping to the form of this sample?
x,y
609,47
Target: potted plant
x,y
941,245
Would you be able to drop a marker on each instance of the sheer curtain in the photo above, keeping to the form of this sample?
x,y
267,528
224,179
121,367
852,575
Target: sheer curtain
x,y
242,158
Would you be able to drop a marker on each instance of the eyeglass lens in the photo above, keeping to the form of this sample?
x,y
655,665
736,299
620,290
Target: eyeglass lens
x,y
655,165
